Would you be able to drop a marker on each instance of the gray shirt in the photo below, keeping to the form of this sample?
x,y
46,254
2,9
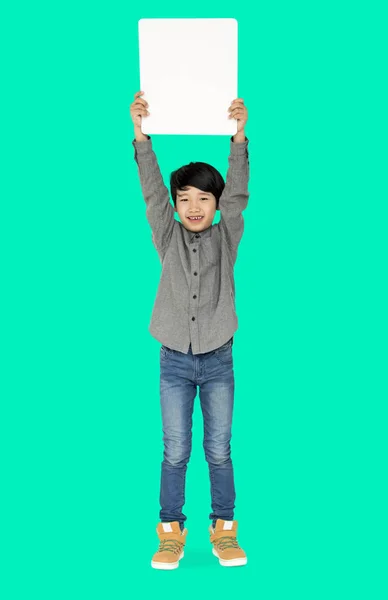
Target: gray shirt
x,y
195,301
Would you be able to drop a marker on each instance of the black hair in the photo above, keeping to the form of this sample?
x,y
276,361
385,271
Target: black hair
x,y
200,175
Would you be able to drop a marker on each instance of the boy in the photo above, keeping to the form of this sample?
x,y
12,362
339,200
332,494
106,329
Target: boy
x,y
194,319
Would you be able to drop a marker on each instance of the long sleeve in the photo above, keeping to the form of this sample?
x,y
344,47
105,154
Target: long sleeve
x,y
234,198
159,210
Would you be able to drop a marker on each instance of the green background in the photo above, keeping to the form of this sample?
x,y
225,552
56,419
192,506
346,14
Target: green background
x,y
80,373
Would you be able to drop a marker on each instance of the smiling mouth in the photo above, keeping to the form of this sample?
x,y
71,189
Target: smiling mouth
x,y
195,218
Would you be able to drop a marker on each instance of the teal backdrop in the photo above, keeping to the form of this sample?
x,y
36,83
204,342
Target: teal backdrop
x,y
81,425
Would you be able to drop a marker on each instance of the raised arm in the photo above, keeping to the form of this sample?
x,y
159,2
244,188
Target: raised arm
x,y
234,198
159,210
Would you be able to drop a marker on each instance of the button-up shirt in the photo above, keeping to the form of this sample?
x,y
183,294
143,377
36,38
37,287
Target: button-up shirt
x,y
195,301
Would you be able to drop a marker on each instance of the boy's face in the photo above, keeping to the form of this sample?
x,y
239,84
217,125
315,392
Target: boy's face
x,y
193,203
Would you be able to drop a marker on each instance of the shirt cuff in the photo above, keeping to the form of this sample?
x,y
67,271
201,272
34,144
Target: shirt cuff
x,y
239,148
143,147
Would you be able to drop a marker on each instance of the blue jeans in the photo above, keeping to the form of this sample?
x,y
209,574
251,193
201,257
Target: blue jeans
x,y
180,374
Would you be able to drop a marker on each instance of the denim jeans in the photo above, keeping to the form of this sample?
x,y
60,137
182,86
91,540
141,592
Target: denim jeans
x,y
180,374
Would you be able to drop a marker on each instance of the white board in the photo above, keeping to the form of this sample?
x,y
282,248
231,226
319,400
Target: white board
x,y
188,72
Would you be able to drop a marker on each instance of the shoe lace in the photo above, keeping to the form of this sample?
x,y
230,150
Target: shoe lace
x,y
227,541
170,546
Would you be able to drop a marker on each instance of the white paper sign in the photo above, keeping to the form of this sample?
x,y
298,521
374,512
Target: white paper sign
x,y
188,72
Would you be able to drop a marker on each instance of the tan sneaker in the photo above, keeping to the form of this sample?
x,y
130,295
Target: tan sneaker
x,y
225,545
172,541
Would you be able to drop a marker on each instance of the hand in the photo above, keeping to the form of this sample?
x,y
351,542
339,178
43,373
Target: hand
x,y
138,109
240,112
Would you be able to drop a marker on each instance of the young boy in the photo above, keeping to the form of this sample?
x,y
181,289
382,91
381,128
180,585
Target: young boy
x,y
194,319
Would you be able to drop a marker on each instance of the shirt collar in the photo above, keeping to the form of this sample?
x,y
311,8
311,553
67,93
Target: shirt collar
x,y
190,236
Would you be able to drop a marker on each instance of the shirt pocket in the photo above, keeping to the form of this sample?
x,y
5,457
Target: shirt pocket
x,y
210,252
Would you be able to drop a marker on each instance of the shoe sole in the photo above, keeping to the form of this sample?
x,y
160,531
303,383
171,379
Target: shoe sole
x,y
233,562
166,566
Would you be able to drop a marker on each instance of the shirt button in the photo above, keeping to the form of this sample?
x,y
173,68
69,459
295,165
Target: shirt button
x,y
194,296
194,250
193,318
195,273
197,235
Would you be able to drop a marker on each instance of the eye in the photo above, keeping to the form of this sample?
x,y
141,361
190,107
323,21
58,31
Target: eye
x,y
204,198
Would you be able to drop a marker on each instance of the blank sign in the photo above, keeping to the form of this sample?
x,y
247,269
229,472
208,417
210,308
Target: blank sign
x,y
188,72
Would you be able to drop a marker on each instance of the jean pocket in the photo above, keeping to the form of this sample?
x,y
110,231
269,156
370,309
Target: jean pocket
x,y
165,352
224,353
